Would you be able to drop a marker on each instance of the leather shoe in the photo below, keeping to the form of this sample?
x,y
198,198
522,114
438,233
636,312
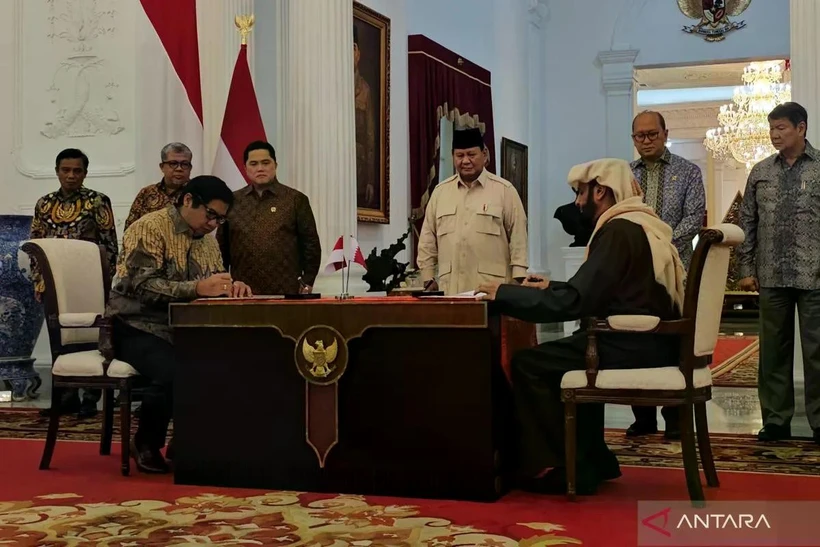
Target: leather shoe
x,y
88,409
148,460
773,433
639,429
816,436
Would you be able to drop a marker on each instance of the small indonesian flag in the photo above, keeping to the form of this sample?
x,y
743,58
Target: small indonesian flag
x,y
336,261
357,256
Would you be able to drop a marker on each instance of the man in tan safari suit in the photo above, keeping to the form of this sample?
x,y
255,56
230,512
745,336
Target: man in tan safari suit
x,y
475,228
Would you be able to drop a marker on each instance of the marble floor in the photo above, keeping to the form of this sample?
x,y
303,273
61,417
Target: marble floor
x,y
732,410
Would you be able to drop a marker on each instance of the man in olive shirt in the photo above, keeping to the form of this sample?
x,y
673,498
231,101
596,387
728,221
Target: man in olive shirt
x,y
475,227
270,240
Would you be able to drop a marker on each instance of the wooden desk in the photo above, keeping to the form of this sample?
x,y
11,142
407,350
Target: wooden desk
x,y
414,404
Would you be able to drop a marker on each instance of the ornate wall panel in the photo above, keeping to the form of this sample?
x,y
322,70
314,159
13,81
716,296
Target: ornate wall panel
x,y
74,84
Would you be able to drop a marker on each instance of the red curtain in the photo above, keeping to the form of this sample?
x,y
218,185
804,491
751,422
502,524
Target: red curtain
x,y
442,84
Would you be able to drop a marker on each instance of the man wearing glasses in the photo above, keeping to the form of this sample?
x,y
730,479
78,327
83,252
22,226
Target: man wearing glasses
x,y
673,186
166,257
176,167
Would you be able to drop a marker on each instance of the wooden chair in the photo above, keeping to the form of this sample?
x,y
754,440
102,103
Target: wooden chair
x,y
688,385
77,284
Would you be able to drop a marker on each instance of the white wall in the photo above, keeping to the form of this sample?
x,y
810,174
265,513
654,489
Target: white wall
x,y
575,99
490,33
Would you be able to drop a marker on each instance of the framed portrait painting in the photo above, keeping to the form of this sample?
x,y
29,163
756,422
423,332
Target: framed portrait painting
x,y
371,66
514,167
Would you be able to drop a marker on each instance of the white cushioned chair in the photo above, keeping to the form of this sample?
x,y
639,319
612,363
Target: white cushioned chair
x,y
688,385
77,284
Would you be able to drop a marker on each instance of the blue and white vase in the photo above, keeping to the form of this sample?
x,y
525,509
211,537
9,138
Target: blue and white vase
x,y
21,316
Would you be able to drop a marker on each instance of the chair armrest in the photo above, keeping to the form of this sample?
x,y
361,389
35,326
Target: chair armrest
x,y
80,320
633,323
639,324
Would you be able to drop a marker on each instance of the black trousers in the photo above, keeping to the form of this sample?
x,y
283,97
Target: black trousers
x,y
153,357
649,415
776,368
536,377
92,396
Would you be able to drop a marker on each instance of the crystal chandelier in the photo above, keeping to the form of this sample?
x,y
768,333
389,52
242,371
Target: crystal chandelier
x,y
744,127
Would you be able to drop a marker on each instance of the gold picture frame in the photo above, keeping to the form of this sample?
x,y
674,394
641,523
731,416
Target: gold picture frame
x,y
514,167
371,54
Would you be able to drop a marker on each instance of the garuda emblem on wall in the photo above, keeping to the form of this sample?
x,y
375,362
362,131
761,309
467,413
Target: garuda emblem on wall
x,y
713,17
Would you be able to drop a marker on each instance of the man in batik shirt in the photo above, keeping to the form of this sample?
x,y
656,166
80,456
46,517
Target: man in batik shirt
x,y
167,256
175,164
75,212
673,186
780,259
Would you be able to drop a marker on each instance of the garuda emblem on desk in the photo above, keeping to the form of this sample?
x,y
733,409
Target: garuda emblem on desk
x,y
321,355
713,17
321,358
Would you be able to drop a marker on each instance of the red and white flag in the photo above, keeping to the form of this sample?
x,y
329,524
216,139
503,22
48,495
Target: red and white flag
x,y
336,261
241,125
167,33
356,256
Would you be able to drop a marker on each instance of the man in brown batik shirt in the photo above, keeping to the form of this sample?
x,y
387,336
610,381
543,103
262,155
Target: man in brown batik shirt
x,y
175,164
270,239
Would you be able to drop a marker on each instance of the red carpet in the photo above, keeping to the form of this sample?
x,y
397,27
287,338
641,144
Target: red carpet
x,y
728,347
84,496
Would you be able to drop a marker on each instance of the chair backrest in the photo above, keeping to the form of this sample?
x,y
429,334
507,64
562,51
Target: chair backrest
x,y
75,274
706,283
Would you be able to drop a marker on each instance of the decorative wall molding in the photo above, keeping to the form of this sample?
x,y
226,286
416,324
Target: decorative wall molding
x,y
618,78
691,116
83,87
727,75
538,11
617,70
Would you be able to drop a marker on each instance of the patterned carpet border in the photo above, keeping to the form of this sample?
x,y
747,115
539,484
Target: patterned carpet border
x,y
732,362
731,452
740,370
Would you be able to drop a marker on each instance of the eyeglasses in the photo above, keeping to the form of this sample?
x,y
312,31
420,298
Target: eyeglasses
x,y
210,214
174,165
649,135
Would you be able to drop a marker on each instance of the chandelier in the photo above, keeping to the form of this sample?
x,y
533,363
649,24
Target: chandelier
x,y
744,127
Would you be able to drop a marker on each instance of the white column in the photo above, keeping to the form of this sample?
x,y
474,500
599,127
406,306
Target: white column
x,y
319,121
219,42
536,46
805,64
617,72
805,68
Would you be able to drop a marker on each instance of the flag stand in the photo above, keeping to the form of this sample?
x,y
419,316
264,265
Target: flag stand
x,y
344,295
